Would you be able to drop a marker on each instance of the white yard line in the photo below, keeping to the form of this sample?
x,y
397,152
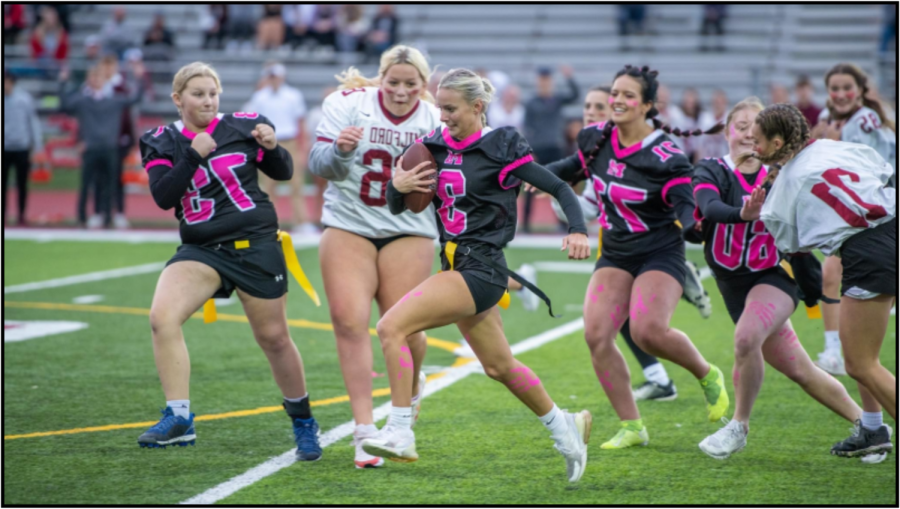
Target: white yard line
x,y
86,278
338,433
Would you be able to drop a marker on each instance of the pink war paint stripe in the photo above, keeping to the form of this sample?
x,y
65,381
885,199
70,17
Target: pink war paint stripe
x,y
510,167
711,187
672,183
158,162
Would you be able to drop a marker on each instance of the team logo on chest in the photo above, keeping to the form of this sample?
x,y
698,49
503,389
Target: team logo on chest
x,y
453,159
616,169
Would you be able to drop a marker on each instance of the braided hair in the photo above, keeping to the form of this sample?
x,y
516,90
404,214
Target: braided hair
x,y
649,86
783,120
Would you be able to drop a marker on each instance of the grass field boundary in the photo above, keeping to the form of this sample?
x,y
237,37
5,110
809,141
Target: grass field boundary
x,y
90,277
448,378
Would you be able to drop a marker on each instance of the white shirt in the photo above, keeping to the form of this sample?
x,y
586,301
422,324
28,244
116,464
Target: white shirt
x,y
829,192
355,199
285,107
498,117
865,127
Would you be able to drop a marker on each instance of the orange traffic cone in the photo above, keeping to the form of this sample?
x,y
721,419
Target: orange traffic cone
x,y
41,173
134,173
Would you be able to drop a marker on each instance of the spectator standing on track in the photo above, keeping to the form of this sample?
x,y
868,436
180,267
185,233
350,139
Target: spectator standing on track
x,y
285,107
810,110
22,138
544,127
99,115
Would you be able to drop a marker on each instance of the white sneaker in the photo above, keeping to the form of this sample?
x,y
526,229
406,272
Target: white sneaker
x,y
120,222
417,405
95,222
362,459
727,441
831,361
530,301
874,459
694,291
464,350
574,446
392,443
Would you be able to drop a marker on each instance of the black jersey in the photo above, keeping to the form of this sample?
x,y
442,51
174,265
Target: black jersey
x,y
638,188
736,249
476,195
223,202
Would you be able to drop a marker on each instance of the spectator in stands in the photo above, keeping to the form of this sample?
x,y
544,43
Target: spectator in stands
x,y
434,81
159,43
778,94
270,29
500,80
99,115
214,22
631,18
509,111
669,114
804,92
298,18
690,119
13,22
714,145
242,25
22,139
889,32
384,32
285,107
713,24
543,123
352,28
323,29
49,40
116,36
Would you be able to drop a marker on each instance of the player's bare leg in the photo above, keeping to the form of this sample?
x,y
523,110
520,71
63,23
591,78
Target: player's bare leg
x,y
513,285
831,359
863,326
182,288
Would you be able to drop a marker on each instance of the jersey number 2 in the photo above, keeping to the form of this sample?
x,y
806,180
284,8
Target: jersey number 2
x,y
832,178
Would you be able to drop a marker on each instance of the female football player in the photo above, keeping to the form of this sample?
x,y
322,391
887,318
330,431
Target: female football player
x,y
205,167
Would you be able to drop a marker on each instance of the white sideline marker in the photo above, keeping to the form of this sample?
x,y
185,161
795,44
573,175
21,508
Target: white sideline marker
x,y
85,278
257,473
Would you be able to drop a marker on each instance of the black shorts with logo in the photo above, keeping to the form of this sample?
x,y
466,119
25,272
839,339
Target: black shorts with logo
x,y
869,259
258,269
669,260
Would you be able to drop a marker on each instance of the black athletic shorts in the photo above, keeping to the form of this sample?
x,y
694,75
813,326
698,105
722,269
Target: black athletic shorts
x,y
735,290
379,243
486,284
258,270
669,260
869,259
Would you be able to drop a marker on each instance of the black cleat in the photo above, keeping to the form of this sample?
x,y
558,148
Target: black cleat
x,y
864,442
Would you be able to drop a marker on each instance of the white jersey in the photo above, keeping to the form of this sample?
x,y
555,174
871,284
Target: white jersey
x,y
865,127
828,193
355,199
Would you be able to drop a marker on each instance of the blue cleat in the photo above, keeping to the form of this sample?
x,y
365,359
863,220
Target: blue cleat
x,y
170,430
306,434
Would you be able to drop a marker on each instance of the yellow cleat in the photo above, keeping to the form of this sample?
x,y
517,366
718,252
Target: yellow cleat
x,y
627,438
717,401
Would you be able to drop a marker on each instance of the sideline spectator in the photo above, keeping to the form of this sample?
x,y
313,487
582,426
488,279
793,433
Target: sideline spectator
x,y
49,39
384,32
115,36
509,111
713,18
804,91
690,119
713,145
242,25
543,123
22,139
778,94
159,43
631,19
214,23
297,19
99,115
285,107
323,29
270,29
668,113
352,28
13,22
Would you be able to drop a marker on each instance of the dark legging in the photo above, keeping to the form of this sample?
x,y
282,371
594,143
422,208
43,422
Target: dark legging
x,y
21,160
643,357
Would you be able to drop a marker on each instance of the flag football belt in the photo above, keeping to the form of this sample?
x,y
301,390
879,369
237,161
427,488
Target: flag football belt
x,y
293,265
450,250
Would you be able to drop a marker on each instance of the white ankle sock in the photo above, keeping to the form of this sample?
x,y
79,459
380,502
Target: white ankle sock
x,y
555,422
832,341
401,417
365,430
872,420
657,373
180,407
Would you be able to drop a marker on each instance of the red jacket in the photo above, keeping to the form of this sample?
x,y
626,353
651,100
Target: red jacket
x,y
62,48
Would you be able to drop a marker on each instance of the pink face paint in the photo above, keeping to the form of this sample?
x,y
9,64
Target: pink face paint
x,y
610,100
734,133
417,294
632,104
617,323
735,378
375,374
639,306
604,380
851,95
403,362
593,298
600,289
525,381
765,315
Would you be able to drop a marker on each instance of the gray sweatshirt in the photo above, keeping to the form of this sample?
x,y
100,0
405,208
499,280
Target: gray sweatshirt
x,y
544,120
21,126
99,114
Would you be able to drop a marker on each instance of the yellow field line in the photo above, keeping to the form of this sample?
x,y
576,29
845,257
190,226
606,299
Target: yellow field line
x,y
299,323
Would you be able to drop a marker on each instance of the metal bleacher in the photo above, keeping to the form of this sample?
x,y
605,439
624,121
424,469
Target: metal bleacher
x,y
763,44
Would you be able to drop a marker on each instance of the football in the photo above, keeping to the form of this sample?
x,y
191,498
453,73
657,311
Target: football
x,y
417,154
